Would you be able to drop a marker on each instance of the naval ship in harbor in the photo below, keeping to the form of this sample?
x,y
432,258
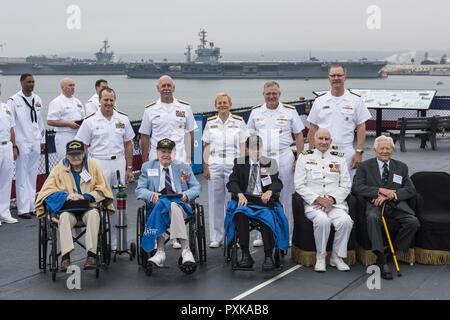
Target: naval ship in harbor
x,y
206,65
103,64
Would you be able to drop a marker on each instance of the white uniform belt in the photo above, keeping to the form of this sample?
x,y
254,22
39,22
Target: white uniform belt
x,y
103,157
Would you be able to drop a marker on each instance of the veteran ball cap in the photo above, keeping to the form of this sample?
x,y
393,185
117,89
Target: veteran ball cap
x,y
74,146
165,144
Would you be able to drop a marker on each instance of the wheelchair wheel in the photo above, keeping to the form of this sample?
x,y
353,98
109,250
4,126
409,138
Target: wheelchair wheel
x,y
54,252
43,243
277,261
105,238
139,233
188,268
200,232
132,250
148,266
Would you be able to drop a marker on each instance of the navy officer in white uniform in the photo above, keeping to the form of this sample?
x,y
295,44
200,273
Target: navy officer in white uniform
x,y
341,112
26,107
65,113
93,104
275,123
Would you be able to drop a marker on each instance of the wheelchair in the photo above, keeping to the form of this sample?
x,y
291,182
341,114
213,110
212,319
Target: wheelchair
x,y
196,234
48,242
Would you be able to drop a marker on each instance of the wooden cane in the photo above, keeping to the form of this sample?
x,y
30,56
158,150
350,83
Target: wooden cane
x,y
389,241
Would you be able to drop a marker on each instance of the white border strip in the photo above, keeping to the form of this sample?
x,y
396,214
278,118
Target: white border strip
x,y
266,283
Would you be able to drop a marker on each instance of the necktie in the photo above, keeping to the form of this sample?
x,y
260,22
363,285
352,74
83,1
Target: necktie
x,y
252,180
385,175
168,182
33,113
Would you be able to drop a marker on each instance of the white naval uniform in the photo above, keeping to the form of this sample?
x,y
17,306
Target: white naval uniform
x,y
340,116
276,127
224,139
106,139
29,136
168,120
67,109
6,160
92,105
320,174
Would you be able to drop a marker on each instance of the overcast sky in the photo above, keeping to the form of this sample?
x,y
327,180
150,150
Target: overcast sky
x,y
138,26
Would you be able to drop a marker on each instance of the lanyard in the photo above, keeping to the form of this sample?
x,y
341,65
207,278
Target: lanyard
x,y
33,113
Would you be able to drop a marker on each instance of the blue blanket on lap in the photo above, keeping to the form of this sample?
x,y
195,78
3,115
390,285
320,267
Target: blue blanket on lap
x,y
159,220
273,218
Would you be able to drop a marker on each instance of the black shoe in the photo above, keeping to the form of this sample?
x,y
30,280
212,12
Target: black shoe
x,y
25,216
268,264
386,272
246,261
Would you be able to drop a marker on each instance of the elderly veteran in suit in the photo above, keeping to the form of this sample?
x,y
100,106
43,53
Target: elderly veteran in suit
x,y
73,190
255,189
323,181
167,186
385,181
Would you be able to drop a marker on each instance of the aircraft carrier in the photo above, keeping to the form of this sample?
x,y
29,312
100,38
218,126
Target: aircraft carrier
x,y
103,64
206,65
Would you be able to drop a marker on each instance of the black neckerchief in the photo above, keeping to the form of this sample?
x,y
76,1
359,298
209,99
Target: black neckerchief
x,y
33,113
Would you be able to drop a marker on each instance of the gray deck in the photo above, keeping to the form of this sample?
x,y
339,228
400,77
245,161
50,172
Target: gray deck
x,y
20,277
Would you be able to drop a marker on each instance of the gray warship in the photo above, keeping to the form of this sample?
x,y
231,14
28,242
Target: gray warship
x,y
103,64
206,65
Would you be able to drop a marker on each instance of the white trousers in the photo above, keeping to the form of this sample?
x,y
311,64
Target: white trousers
x,y
218,197
322,225
65,224
27,166
177,227
6,175
61,140
110,168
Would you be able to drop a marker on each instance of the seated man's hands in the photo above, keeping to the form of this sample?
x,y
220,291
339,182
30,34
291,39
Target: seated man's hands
x,y
155,197
323,203
74,197
380,200
388,193
184,197
266,196
242,200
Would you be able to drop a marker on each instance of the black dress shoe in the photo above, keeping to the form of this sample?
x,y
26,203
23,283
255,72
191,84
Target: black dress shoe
x,y
268,264
246,261
386,272
25,216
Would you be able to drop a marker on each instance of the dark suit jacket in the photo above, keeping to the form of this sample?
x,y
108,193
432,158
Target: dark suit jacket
x,y
367,181
238,181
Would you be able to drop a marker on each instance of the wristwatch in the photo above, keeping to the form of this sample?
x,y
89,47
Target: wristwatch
x,y
360,151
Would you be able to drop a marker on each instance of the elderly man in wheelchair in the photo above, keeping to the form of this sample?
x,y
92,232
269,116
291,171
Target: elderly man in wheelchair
x,y
72,192
255,189
167,186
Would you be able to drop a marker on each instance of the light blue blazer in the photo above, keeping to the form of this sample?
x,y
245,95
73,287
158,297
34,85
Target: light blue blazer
x,y
147,185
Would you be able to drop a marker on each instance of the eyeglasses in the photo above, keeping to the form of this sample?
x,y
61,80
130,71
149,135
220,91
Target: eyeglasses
x,y
336,75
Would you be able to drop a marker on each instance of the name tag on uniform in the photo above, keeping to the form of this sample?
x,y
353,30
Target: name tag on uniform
x,y
266,181
85,176
152,172
316,174
397,179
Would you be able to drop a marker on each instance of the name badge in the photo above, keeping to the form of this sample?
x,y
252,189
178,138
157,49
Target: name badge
x,y
85,176
397,179
266,181
316,174
152,172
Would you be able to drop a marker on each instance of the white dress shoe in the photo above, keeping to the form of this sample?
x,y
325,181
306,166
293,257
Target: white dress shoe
x,y
321,265
187,256
9,220
158,259
214,244
176,244
258,243
337,262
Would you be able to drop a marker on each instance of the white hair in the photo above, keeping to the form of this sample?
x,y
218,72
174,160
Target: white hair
x,y
382,137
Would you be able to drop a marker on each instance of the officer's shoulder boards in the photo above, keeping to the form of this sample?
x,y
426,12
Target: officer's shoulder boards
x,y
235,116
259,105
337,154
305,152
354,93
151,104
212,117
87,117
123,113
290,106
184,102
319,95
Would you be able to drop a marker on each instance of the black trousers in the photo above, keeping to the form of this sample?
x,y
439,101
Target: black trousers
x,y
243,233
402,228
